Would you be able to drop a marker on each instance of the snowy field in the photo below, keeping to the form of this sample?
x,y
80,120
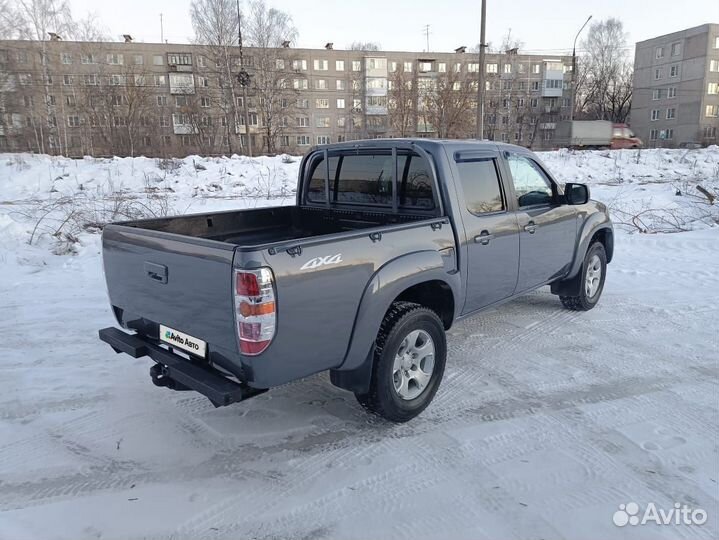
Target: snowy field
x,y
547,420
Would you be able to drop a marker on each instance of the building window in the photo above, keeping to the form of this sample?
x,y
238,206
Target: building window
x,y
660,52
180,101
299,65
161,101
714,65
117,80
656,94
458,67
323,139
492,68
712,111
407,66
205,102
303,140
70,101
88,59
340,103
356,65
299,84
473,67
534,103
507,68
67,80
671,113
666,134
66,58
320,84
425,67
322,121
536,68
158,60
303,103
713,88
565,102
674,71
672,92
303,121
506,85
653,134
340,84
553,83
138,60
376,63
716,42
676,49
655,115
710,132
341,122
91,80
322,103
658,74
179,59
73,121
321,65
339,65
442,67
203,82
392,67
22,57
115,59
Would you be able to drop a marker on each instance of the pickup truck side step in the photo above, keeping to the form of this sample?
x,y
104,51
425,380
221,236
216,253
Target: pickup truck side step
x,y
177,372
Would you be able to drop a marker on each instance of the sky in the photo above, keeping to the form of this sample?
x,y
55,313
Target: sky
x,y
398,25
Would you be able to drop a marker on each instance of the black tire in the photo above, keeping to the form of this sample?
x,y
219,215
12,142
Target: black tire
x,y
382,398
584,302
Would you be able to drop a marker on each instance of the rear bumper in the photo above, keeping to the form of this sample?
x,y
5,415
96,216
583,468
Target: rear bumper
x,y
172,367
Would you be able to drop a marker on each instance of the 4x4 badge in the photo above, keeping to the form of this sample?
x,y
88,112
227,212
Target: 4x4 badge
x,y
322,261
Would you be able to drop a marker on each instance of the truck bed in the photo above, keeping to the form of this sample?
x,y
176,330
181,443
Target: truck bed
x,y
263,226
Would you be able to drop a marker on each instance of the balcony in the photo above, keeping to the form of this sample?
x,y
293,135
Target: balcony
x,y
182,83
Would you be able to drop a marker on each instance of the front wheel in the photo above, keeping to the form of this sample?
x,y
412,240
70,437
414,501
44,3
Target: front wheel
x,y
409,359
594,272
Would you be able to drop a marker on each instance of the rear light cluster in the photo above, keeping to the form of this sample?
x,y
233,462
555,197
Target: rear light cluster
x,y
255,309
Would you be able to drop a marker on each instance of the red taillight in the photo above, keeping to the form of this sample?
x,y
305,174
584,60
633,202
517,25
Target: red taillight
x,y
247,284
255,312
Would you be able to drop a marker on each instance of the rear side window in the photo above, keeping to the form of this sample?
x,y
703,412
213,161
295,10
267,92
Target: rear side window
x,y
481,186
367,179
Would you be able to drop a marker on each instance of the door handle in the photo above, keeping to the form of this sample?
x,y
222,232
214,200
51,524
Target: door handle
x,y
530,227
156,272
483,238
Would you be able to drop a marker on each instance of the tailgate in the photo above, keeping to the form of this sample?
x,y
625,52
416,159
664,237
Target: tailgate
x,y
182,282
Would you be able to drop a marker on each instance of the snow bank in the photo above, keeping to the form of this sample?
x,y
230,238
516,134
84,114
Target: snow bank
x,y
39,192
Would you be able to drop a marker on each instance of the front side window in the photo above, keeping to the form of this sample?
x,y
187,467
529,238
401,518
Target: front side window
x,y
531,186
481,186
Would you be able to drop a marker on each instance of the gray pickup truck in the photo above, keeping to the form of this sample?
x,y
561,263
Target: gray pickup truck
x,y
390,242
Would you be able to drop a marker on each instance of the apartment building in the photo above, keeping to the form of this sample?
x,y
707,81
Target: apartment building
x,y
82,98
675,100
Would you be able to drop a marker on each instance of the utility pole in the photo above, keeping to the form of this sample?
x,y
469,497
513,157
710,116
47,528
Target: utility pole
x,y
162,32
244,79
574,69
480,82
426,35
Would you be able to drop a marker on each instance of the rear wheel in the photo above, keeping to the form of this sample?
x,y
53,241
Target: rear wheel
x,y
409,360
594,272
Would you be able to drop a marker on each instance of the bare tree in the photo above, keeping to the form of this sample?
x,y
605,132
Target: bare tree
x,y
35,18
401,104
370,46
445,104
604,85
266,30
89,28
216,26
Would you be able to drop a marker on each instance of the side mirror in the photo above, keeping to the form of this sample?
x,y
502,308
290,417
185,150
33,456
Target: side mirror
x,y
576,193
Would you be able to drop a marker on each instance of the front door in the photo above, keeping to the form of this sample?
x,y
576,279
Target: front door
x,y
492,239
547,228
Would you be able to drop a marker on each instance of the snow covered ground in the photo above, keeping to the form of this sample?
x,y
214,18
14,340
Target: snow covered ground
x,y
546,421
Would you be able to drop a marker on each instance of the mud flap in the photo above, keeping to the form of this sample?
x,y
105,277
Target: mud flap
x,y
355,380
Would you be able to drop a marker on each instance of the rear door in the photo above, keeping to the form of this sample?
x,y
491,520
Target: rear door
x,y
547,228
492,239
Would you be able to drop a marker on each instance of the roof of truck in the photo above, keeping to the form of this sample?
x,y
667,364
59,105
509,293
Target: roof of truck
x,y
454,143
